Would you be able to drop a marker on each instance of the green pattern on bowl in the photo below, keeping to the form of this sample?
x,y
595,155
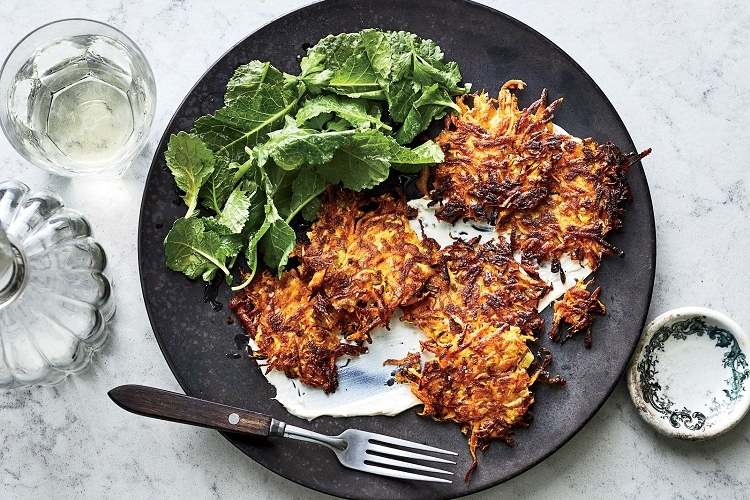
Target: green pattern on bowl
x,y
734,359
688,375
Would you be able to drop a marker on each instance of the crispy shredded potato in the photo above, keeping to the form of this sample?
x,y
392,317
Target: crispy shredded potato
x,y
363,260
294,327
366,258
576,309
478,317
407,368
480,282
554,194
497,157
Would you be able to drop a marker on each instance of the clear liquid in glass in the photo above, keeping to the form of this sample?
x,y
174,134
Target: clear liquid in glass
x,y
80,104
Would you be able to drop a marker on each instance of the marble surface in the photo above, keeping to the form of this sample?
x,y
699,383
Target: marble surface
x,y
676,72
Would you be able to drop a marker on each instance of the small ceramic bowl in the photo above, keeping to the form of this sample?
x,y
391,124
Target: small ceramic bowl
x,y
689,375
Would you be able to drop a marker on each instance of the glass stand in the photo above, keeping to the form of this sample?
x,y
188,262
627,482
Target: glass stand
x,y
55,301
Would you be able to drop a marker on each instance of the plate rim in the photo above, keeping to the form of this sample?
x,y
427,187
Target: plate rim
x,y
488,10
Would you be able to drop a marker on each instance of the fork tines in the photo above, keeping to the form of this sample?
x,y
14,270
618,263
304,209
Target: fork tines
x,y
377,461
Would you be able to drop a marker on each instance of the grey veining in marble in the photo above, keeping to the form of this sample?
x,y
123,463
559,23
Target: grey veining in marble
x,y
677,74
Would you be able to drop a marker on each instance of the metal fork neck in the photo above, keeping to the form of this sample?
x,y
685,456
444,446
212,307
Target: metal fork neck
x,y
293,432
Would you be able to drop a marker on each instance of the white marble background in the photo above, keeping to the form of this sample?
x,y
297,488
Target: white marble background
x,y
676,71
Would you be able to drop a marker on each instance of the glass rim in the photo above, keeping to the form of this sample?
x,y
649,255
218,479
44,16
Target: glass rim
x,y
62,21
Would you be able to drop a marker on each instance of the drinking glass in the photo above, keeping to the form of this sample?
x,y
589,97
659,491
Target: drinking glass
x,y
77,97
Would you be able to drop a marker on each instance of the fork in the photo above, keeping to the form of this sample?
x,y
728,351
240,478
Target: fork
x,y
355,449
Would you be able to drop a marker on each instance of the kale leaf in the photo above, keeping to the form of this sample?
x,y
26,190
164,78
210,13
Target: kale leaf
x,y
197,251
355,112
396,66
247,119
191,163
236,211
291,147
248,77
219,184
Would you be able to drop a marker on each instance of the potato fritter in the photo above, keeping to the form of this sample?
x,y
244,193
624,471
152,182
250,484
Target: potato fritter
x,y
367,259
295,328
362,261
480,281
497,157
585,204
553,193
577,309
482,382
478,317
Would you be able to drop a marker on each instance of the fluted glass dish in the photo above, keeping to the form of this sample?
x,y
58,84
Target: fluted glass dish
x,y
55,300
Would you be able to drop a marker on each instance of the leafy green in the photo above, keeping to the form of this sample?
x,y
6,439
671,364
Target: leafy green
x,y
408,50
356,112
256,213
362,163
191,163
251,251
275,237
337,125
374,95
432,104
305,190
292,146
379,51
235,213
212,224
264,158
218,185
366,160
195,251
277,244
402,95
399,67
314,74
330,53
320,121
413,160
310,211
246,120
356,75
248,77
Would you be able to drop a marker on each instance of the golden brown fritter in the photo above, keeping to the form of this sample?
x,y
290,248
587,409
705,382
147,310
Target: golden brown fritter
x,y
553,193
294,327
497,157
478,317
577,309
362,261
482,381
367,259
585,204
479,281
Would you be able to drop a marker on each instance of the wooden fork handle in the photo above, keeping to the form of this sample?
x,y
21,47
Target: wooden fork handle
x,y
166,405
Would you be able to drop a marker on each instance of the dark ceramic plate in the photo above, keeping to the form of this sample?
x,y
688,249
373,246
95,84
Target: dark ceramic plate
x,y
490,48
